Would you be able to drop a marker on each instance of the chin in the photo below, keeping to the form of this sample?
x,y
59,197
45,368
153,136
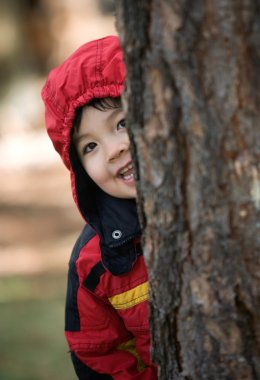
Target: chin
x,y
131,195
123,193
126,195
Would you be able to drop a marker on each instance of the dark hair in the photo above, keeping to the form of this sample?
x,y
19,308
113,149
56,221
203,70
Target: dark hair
x,y
101,104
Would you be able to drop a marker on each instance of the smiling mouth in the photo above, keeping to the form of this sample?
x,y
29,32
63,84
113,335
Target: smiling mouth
x,y
127,173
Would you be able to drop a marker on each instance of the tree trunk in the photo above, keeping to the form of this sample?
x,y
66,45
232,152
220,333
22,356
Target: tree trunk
x,y
193,99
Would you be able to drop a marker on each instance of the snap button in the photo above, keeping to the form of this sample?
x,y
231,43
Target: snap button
x,y
116,234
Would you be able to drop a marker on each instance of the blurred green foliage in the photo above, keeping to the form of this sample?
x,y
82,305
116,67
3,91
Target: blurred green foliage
x,y
33,346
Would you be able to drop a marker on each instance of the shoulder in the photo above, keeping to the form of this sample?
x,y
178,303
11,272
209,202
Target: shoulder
x,y
86,235
85,253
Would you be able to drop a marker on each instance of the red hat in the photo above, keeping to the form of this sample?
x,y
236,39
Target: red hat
x,y
95,70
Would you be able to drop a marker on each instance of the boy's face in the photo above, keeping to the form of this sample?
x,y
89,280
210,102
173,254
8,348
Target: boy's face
x,y
102,144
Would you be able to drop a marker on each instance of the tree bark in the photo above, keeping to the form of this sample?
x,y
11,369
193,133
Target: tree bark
x,y
193,100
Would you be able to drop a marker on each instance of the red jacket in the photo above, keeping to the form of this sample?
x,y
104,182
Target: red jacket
x,y
106,321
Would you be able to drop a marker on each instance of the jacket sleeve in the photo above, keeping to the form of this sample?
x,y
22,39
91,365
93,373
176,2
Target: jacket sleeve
x,y
132,308
84,372
101,347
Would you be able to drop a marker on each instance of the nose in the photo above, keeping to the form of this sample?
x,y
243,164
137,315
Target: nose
x,y
116,148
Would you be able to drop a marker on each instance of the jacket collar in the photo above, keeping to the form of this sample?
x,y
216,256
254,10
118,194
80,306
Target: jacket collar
x,y
118,221
117,225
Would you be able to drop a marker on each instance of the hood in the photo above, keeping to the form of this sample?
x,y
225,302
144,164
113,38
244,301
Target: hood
x,y
95,70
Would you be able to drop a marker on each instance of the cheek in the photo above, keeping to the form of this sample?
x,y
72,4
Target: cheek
x,y
96,171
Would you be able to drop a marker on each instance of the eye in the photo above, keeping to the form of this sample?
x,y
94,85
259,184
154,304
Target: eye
x,y
89,147
121,124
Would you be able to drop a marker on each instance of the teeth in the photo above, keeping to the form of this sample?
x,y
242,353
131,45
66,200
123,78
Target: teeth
x,y
128,177
128,167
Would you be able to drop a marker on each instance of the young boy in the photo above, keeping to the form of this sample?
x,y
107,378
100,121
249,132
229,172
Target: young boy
x,y
106,322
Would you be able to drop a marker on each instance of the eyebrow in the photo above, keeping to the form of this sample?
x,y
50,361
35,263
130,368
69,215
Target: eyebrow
x,y
115,112
77,139
109,118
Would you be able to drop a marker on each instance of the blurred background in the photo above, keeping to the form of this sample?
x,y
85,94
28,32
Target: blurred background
x,y
39,221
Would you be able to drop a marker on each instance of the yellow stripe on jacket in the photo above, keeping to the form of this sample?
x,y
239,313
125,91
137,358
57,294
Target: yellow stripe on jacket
x,y
131,297
130,347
